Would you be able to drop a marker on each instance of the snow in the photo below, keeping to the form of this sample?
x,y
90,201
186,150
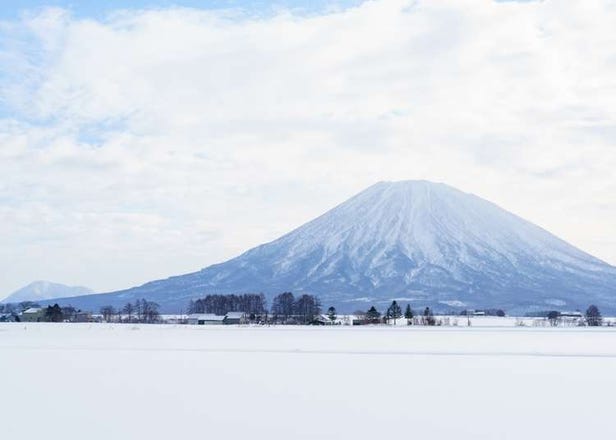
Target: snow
x,y
157,382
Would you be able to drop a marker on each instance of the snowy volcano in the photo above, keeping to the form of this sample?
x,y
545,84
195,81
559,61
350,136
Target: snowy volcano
x,y
43,290
419,242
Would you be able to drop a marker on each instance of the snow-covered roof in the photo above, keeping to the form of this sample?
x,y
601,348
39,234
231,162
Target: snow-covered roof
x,y
32,310
236,315
206,317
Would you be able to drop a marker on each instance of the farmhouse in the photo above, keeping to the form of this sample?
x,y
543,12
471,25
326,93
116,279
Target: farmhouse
x,y
80,316
321,320
206,319
235,318
213,319
33,314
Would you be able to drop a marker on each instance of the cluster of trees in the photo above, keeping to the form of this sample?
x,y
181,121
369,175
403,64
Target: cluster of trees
x,y
393,313
286,308
249,303
54,313
141,310
592,317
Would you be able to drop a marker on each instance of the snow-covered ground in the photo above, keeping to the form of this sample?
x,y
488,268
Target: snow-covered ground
x,y
96,381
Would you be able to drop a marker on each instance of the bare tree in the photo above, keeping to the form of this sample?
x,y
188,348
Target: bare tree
x,y
129,311
307,307
282,306
554,318
107,312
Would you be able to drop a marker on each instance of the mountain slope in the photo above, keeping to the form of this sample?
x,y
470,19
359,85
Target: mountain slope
x,y
43,290
421,242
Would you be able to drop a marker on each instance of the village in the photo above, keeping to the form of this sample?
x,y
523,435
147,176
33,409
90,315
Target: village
x,y
146,313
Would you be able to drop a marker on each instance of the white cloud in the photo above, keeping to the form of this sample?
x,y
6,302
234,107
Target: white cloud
x,y
156,142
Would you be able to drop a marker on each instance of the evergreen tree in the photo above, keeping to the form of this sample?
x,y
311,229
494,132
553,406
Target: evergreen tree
x,y
428,317
394,311
53,313
373,315
408,313
331,313
593,316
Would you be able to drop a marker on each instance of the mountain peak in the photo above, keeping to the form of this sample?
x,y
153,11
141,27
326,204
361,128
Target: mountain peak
x,y
409,185
43,290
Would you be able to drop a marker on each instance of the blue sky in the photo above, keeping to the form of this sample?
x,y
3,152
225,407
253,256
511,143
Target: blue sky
x,y
99,8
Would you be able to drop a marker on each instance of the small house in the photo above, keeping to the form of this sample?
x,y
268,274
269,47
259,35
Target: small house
x,y
235,318
321,320
174,319
206,319
80,316
33,314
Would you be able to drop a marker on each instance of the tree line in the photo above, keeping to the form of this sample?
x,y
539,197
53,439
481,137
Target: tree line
x,y
252,304
393,313
141,311
286,308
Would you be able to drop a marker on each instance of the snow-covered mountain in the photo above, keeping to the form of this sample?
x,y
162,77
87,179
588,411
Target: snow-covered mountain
x,y
43,290
416,241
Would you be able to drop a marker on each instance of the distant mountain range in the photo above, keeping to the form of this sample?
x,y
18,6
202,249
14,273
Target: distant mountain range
x,y
422,243
43,290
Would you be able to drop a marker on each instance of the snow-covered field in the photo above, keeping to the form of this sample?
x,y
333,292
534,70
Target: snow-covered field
x,y
95,381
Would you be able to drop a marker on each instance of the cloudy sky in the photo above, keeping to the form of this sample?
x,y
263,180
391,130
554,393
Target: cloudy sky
x,y
151,141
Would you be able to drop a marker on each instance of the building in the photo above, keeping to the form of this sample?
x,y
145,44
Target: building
x,y
82,317
321,320
8,317
576,314
206,319
33,314
212,319
174,319
235,318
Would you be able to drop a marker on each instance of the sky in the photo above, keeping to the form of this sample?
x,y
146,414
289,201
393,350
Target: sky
x,y
148,139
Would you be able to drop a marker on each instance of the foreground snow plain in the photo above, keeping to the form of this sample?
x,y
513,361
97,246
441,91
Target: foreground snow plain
x,y
102,381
